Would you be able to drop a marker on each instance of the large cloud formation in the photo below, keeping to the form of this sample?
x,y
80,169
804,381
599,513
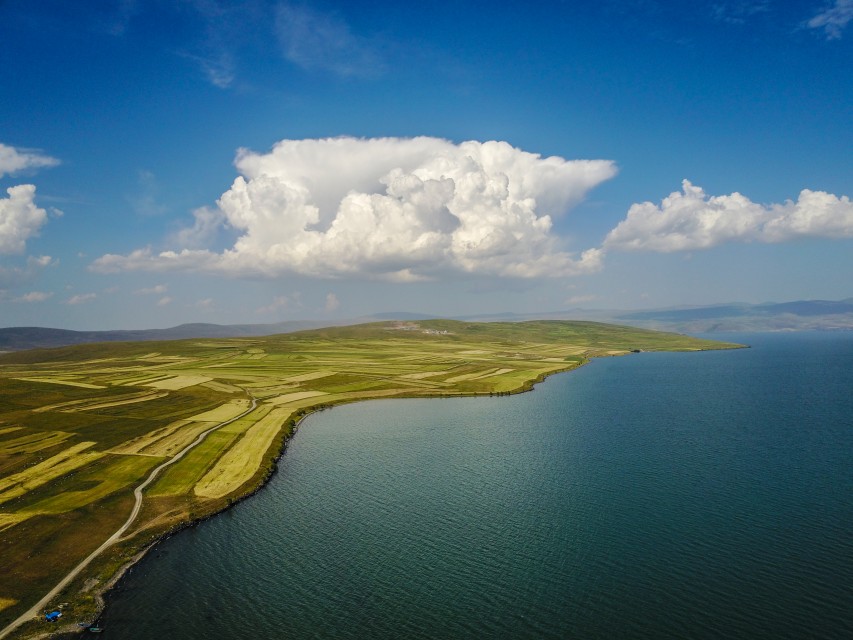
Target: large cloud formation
x,y
690,219
20,218
394,208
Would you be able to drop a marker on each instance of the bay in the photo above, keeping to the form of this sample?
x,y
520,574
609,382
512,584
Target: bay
x,y
660,495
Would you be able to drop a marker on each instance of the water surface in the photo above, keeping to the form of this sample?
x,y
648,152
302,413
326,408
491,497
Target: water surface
x,y
686,495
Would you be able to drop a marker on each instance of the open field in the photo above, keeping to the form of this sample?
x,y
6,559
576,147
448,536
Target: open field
x,y
80,427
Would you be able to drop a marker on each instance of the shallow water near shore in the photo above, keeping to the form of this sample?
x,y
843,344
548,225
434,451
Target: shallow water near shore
x,y
659,495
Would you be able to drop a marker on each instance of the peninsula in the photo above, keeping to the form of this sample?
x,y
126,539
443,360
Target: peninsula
x,y
107,448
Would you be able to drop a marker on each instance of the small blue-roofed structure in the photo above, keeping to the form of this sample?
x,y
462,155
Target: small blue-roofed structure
x,y
53,616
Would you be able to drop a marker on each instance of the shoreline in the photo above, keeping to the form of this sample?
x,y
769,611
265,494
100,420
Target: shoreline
x,y
100,590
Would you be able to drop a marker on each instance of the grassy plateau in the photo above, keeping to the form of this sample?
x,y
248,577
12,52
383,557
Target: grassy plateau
x,y
82,426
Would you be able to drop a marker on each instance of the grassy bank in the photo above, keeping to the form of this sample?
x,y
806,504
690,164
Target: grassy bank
x,y
81,426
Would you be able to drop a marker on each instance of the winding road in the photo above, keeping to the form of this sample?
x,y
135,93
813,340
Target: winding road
x,y
36,609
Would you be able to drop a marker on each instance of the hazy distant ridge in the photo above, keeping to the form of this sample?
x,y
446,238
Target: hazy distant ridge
x,y
800,315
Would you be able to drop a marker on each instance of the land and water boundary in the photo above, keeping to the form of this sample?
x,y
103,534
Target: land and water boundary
x,y
81,427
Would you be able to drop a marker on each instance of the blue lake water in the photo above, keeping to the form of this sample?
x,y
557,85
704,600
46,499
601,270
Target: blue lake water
x,y
682,495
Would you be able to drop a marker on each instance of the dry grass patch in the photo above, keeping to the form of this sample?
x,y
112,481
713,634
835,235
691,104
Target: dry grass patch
x,y
294,397
9,520
20,483
178,382
221,386
117,403
423,374
470,376
304,377
179,479
107,476
79,405
222,413
5,430
137,444
33,442
5,603
241,461
245,423
67,383
176,441
499,372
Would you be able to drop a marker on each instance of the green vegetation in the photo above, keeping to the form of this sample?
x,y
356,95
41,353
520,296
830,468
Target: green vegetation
x,y
81,427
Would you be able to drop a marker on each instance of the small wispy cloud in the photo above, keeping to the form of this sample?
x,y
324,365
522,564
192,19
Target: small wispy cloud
x,y
581,299
81,298
144,201
332,302
315,40
157,289
14,160
162,302
833,19
278,303
218,67
739,11
34,296
19,275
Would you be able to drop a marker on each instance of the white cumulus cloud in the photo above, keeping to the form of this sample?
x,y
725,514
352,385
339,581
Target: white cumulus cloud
x,y
13,160
691,219
20,218
403,209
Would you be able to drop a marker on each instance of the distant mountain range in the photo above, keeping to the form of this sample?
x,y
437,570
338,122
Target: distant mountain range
x,y
801,315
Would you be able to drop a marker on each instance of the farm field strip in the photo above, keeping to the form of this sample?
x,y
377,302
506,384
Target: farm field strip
x,y
240,462
177,440
221,386
117,403
293,397
117,474
9,520
72,404
424,374
223,412
33,442
54,467
181,478
137,444
69,383
304,377
178,382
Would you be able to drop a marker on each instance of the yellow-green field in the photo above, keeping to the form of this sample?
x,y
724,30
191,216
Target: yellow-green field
x,y
83,426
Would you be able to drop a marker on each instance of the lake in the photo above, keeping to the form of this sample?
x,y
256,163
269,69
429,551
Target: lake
x,y
657,495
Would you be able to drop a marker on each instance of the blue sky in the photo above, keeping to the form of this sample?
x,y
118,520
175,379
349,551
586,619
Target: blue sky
x,y
242,162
